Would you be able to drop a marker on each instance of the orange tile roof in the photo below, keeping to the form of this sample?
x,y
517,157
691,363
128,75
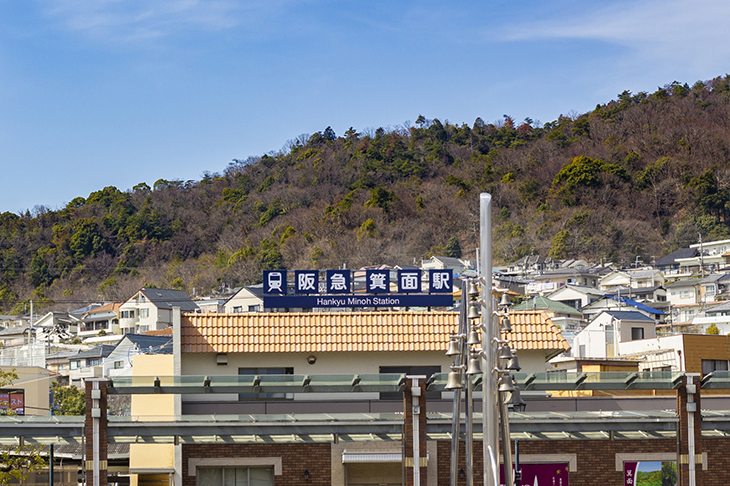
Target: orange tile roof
x,y
535,330
348,331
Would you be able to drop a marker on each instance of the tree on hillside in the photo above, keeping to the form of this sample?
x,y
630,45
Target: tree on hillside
x,y
453,249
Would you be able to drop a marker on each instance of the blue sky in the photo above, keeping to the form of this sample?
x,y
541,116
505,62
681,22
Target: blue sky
x,y
116,92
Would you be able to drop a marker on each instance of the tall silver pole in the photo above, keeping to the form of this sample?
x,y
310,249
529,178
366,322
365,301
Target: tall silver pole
x,y
506,449
469,449
490,415
456,409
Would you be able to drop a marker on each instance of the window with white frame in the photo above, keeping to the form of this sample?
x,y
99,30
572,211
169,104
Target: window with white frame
x,y
235,476
144,313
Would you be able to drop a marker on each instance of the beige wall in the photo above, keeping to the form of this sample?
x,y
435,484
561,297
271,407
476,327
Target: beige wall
x,y
152,458
202,364
36,383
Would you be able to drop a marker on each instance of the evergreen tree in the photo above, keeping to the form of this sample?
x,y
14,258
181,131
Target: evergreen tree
x,y
453,248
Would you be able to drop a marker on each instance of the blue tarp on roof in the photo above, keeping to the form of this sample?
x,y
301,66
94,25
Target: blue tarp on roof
x,y
632,303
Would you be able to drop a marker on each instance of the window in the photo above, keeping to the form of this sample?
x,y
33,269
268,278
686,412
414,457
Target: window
x,y
93,362
238,309
710,290
118,365
62,366
710,365
582,351
144,313
128,314
410,370
254,308
637,333
235,476
264,371
74,365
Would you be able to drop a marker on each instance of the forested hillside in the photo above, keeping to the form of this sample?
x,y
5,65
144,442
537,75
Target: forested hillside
x,y
638,176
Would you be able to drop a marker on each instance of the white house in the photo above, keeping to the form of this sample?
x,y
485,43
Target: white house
x,y
634,278
150,309
576,296
119,361
247,299
602,338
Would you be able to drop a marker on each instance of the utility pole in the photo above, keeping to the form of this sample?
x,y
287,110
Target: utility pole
x,y
702,259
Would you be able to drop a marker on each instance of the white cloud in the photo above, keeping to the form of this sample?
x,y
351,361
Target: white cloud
x,y
692,35
132,20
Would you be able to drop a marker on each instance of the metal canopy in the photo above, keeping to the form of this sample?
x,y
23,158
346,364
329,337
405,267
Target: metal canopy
x,y
645,380
375,382
717,380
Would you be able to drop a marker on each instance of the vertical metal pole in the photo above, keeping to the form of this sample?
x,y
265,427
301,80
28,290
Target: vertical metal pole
x,y
469,450
490,416
456,409
416,435
50,465
506,449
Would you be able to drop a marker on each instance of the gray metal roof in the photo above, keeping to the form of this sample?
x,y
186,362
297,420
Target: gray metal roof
x,y
169,298
629,315
157,344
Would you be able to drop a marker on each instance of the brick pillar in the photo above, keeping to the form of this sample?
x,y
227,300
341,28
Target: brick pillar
x,y
95,433
688,410
414,403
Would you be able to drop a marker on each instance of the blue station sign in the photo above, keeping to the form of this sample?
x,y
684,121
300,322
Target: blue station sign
x,y
338,289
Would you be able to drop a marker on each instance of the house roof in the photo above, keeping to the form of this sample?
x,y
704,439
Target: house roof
x,y
633,290
110,307
714,278
672,257
348,332
98,352
540,302
630,302
155,344
724,306
169,298
629,315
580,288
682,283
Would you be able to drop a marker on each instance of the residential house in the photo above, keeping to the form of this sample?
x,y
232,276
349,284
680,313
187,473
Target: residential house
x,y
604,335
103,320
711,256
119,361
713,287
528,264
150,309
614,302
693,353
458,265
633,278
575,296
683,297
247,299
550,281
670,265
87,364
655,297
55,326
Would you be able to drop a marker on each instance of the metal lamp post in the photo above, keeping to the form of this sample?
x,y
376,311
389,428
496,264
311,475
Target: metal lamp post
x,y
495,361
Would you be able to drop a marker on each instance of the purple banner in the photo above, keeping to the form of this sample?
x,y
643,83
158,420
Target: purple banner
x,y
630,473
541,474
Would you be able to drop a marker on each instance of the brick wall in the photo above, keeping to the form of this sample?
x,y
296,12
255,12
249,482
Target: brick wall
x,y
595,458
296,458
